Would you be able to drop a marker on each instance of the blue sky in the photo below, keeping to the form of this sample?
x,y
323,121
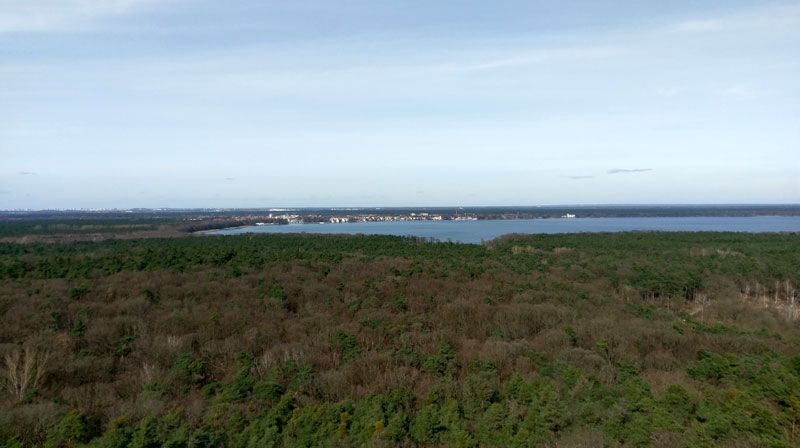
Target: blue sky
x,y
178,103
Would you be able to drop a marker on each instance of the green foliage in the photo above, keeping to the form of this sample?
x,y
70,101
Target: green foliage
x,y
478,392
400,302
117,435
427,427
243,382
346,343
126,343
667,281
443,363
77,292
269,391
55,320
194,368
276,292
710,366
496,426
543,340
146,434
573,337
149,295
71,431
602,344
497,333
29,395
641,311
13,442
79,325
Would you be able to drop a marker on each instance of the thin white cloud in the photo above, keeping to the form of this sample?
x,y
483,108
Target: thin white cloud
x,y
631,170
40,131
557,55
59,15
698,26
783,16
493,64
27,173
741,91
772,17
251,72
668,91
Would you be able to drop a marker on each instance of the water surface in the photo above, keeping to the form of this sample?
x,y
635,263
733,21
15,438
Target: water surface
x,y
475,231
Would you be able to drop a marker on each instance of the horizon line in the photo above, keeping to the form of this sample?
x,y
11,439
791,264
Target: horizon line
x,y
346,207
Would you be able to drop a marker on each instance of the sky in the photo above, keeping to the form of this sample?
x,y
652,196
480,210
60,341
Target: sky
x,y
202,103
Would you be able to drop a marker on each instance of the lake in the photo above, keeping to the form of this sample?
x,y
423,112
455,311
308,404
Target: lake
x,y
475,231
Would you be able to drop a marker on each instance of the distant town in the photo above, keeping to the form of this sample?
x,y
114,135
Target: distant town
x,y
296,218
333,216
221,218
98,224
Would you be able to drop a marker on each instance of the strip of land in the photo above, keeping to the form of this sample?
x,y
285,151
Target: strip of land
x,y
97,225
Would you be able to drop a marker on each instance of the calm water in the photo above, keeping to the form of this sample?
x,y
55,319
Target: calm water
x,y
474,231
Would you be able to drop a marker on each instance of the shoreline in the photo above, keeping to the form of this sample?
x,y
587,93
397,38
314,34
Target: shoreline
x,y
556,225
202,232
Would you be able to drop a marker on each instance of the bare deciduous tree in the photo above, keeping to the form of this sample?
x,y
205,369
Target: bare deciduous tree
x,y
791,299
703,300
24,370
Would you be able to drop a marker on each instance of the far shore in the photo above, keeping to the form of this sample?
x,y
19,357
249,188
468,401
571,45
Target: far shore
x,y
221,228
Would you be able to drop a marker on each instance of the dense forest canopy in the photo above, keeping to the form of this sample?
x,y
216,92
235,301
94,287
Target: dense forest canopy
x,y
621,339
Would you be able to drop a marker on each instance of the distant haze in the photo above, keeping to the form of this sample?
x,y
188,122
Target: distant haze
x,y
178,103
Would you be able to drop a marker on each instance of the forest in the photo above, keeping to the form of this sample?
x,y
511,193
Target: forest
x,y
572,340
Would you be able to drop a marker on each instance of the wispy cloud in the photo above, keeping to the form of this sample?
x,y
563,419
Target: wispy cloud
x,y
743,91
33,131
581,177
773,17
27,173
535,57
698,26
228,179
492,64
243,73
59,15
5,192
628,170
667,91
